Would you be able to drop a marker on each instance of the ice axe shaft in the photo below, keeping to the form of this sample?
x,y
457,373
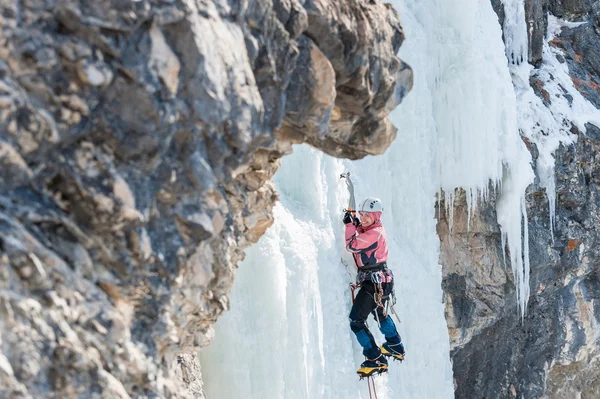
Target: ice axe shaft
x,y
352,200
396,314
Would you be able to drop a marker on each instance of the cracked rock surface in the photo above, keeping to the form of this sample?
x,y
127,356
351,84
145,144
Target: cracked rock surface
x,y
137,144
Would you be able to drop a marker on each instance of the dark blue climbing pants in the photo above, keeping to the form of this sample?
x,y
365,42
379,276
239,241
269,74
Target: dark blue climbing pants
x,y
364,304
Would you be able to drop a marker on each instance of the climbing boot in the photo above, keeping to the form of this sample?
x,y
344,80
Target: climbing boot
x,y
373,366
395,351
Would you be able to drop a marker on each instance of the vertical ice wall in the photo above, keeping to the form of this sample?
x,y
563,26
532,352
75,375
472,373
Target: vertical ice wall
x,y
287,334
474,108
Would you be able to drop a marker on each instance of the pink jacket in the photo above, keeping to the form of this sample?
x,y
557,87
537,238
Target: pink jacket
x,y
368,246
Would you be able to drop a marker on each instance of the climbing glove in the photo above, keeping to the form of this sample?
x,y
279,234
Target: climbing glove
x,y
348,218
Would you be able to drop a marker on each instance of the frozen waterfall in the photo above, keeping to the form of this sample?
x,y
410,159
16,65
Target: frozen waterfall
x,y
287,334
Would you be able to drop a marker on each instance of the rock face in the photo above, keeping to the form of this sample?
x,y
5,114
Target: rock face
x,y
553,352
137,145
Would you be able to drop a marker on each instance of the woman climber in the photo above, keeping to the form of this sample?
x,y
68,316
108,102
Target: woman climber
x,y
365,239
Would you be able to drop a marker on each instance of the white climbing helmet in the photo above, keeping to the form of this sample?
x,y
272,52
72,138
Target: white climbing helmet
x,y
371,204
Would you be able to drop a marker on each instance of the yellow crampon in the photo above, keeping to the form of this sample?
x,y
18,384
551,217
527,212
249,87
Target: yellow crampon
x,y
364,372
387,353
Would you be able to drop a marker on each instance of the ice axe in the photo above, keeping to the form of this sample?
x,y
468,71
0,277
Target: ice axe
x,y
351,202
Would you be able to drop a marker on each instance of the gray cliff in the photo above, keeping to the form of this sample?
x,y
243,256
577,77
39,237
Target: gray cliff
x,y
137,144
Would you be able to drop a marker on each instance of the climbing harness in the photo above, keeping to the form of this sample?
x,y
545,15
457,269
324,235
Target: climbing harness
x,y
374,273
378,275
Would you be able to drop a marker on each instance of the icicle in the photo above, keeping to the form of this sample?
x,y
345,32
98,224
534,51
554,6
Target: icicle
x,y
526,266
440,203
469,196
451,211
515,31
512,217
504,248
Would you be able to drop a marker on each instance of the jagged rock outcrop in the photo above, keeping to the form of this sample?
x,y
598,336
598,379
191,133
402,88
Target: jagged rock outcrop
x,y
137,145
554,351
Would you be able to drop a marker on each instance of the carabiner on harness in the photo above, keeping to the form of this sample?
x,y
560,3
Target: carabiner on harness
x,y
377,277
